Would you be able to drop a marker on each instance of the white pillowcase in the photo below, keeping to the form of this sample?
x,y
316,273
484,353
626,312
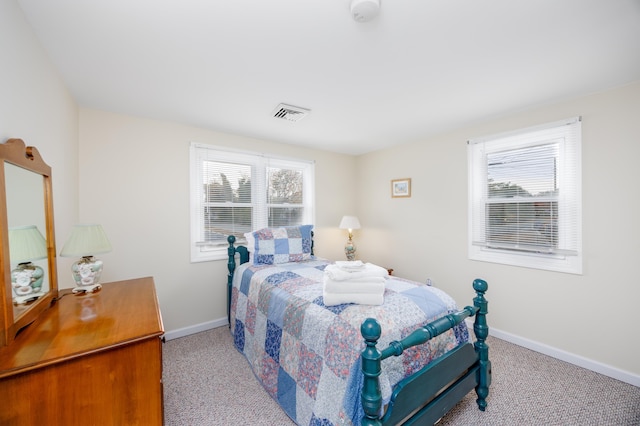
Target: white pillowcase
x,y
251,244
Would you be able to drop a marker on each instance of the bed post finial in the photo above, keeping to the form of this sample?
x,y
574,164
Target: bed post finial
x,y
481,331
371,366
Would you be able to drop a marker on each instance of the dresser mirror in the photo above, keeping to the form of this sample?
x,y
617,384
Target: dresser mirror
x,y
28,253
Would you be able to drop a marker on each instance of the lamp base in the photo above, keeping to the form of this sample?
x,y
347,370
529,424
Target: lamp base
x,y
350,250
87,288
86,272
26,280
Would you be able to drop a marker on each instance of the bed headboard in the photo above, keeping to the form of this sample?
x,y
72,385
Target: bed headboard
x,y
243,251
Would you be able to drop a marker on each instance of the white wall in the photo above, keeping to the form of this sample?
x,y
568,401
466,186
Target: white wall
x,y
131,175
593,315
36,106
134,180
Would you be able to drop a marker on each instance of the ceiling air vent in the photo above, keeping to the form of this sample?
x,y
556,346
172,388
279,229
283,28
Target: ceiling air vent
x,y
290,112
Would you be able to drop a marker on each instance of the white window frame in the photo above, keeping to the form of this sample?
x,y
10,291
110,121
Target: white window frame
x,y
568,255
202,251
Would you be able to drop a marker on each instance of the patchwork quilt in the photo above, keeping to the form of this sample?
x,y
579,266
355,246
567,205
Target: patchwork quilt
x,y
305,353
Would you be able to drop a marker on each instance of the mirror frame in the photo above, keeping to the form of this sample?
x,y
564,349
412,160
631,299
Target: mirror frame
x,y
16,152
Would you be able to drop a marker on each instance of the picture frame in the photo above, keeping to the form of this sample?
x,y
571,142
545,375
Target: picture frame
x,y
401,188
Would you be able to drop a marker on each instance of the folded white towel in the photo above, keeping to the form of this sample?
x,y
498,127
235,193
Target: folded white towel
x,y
370,270
350,265
365,285
332,299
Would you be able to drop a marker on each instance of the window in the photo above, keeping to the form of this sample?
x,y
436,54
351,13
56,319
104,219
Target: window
x,y
236,192
525,197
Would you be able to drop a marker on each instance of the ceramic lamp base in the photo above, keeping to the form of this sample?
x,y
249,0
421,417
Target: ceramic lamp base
x,y
86,272
350,250
26,280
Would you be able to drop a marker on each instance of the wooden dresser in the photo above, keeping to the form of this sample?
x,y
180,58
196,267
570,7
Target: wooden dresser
x,y
93,359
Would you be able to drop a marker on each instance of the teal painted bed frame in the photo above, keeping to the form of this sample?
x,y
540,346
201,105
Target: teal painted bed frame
x,y
426,396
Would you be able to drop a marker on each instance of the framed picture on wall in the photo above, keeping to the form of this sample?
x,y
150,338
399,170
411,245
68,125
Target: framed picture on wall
x,y
401,188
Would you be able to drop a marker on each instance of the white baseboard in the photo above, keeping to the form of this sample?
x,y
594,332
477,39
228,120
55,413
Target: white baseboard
x,y
580,361
192,329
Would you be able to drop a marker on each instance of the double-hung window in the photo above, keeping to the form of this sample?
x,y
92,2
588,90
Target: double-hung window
x,y
234,192
525,197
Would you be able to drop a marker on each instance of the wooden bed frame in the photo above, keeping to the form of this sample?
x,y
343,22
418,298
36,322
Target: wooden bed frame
x,y
427,395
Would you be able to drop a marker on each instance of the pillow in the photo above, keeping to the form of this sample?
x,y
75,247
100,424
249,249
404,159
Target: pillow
x,y
281,245
251,244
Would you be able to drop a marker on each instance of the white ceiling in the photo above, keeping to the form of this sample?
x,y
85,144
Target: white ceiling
x,y
421,67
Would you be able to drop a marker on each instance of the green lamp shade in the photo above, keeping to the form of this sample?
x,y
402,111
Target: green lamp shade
x,y
26,244
86,240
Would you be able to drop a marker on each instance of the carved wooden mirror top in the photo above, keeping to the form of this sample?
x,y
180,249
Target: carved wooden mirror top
x,y
29,279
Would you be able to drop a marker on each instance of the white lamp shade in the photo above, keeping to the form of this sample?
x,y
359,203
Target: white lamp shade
x,y
86,240
26,243
349,222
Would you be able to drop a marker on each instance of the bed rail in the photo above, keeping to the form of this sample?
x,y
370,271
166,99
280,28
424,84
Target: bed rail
x,y
465,367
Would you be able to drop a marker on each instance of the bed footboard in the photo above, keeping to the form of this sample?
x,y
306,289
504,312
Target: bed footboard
x,y
427,395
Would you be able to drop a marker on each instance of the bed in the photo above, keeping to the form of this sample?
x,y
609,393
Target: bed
x,y
406,361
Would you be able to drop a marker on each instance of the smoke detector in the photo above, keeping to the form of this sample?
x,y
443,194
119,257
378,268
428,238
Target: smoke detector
x,y
364,10
290,112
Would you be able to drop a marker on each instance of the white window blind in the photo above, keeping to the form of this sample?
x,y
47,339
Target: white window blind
x,y
237,192
525,197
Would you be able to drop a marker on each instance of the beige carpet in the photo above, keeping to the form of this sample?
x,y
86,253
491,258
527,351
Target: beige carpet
x,y
208,382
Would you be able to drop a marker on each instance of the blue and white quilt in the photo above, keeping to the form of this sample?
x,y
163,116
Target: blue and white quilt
x,y
304,352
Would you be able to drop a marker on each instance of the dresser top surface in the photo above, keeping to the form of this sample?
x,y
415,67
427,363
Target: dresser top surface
x,y
120,313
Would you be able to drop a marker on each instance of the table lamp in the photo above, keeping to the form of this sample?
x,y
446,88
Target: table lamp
x,y
26,244
350,223
86,241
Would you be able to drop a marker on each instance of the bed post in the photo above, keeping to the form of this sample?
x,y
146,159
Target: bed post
x,y
371,367
481,331
231,265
